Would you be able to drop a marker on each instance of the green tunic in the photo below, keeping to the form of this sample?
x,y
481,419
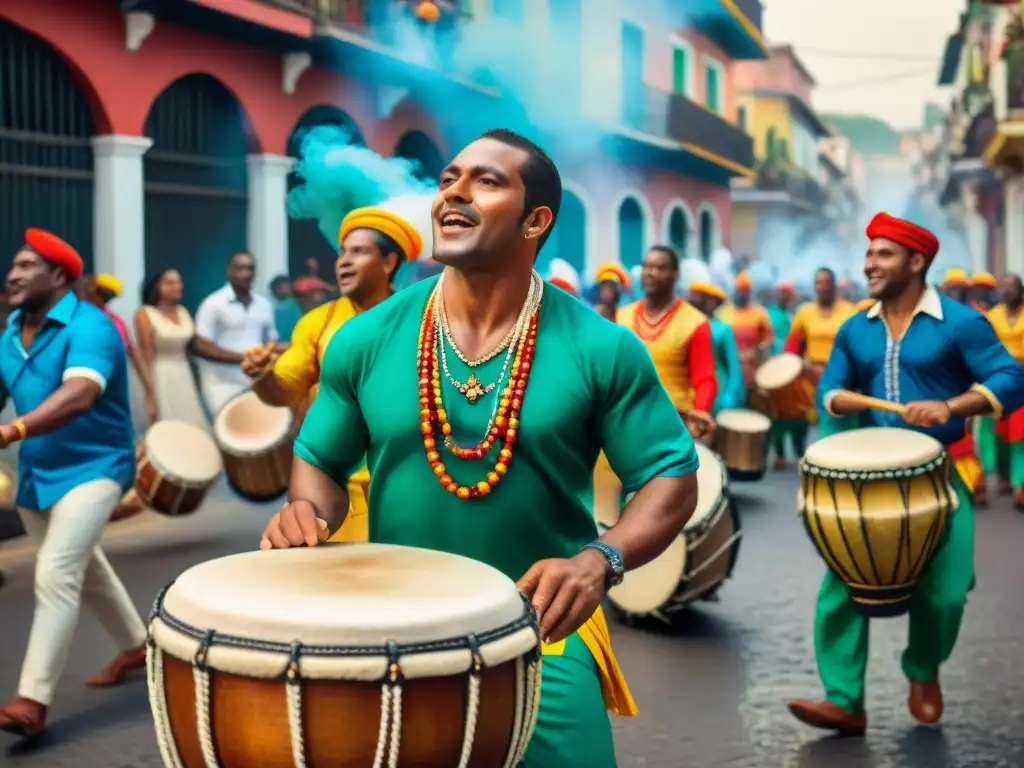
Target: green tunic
x,y
592,386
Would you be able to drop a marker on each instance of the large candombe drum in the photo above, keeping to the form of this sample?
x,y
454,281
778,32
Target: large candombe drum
x,y
876,503
343,655
742,441
786,386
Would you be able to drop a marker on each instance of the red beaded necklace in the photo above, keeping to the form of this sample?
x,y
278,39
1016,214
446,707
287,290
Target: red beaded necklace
x,y
647,330
434,419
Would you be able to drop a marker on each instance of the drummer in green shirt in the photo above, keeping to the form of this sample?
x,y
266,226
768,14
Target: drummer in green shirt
x,y
418,383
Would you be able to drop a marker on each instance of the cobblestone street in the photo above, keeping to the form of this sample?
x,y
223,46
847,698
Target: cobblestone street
x,y
711,695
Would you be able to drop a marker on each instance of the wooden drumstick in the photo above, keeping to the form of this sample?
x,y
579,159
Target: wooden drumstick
x,y
876,403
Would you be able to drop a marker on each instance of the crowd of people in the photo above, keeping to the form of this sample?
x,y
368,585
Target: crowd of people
x,y
505,483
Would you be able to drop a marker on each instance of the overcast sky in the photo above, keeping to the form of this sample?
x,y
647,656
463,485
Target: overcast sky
x,y
878,57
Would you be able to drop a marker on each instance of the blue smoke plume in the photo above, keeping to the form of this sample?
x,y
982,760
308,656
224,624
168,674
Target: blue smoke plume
x,y
339,176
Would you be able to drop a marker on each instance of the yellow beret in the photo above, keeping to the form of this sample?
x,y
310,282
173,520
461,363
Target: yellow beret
x,y
955,277
613,273
387,223
110,284
984,280
743,280
708,289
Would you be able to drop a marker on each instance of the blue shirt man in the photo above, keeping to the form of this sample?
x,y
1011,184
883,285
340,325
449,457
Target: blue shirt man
x,y
76,340
63,363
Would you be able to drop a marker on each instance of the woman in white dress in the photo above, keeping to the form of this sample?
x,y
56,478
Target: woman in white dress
x,y
164,330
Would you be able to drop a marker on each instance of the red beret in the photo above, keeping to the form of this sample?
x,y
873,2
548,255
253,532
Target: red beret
x,y
309,284
53,249
917,239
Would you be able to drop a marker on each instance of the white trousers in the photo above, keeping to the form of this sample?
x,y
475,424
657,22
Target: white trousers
x,y
71,568
217,390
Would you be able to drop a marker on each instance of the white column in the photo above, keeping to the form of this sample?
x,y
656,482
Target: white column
x,y
268,216
119,240
1014,227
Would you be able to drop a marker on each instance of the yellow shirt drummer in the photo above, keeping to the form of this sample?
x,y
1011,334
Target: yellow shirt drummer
x,y
373,241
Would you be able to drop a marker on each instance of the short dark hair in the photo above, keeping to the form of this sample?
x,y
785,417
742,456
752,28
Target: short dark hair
x,y
826,271
541,179
387,245
278,281
151,287
240,252
669,251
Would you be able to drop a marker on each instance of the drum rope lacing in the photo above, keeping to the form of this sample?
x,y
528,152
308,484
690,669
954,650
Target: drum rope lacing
x,y
874,474
390,732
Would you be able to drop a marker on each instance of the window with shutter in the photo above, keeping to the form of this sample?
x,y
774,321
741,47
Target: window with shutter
x,y
680,69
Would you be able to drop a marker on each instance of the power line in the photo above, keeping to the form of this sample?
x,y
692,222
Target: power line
x,y
881,80
867,55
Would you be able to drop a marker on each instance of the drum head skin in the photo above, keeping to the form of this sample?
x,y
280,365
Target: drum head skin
x,y
710,486
247,424
183,451
872,449
742,420
649,587
779,371
344,595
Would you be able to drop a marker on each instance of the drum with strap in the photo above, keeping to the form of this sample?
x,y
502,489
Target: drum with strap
x,y
876,502
741,439
255,440
697,562
176,463
787,386
356,655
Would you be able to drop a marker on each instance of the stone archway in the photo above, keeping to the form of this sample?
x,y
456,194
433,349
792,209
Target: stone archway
x,y
632,232
196,182
423,152
710,237
679,229
46,158
305,240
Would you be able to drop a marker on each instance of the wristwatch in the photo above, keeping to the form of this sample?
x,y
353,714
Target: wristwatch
x,y
616,566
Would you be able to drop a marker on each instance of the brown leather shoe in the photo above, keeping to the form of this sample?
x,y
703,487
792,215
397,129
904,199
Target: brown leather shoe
x,y
23,717
1005,489
981,496
828,717
119,669
926,702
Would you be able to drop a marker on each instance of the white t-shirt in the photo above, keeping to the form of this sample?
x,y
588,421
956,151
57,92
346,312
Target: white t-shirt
x,y
227,322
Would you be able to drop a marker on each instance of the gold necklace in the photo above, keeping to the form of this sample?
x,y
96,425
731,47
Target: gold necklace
x,y
473,389
502,345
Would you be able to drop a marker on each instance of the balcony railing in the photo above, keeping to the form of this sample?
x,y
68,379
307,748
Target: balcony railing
x,y
675,117
793,184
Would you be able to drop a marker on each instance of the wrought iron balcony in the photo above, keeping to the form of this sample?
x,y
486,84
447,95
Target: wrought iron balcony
x,y
678,119
794,184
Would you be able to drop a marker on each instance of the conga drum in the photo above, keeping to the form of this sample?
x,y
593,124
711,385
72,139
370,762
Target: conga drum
x,y
697,562
343,655
176,463
788,389
255,441
876,503
741,439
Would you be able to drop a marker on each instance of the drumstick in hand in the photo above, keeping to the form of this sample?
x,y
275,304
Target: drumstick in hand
x,y
865,401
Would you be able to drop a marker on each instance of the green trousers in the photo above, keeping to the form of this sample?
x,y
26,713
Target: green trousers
x,y
573,727
937,608
998,457
795,430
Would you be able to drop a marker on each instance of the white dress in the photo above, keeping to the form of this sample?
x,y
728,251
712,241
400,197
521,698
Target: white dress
x,y
176,393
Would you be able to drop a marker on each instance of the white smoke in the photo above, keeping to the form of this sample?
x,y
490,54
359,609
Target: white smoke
x,y
415,209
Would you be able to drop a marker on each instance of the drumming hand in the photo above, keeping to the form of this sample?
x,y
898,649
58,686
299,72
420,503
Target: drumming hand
x,y
565,593
258,359
700,424
294,526
927,413
8,434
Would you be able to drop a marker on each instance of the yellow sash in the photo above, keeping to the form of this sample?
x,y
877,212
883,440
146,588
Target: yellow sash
x,y
969,469
594,634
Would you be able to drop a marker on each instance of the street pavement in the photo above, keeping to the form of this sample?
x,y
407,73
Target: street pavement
x,y
712,692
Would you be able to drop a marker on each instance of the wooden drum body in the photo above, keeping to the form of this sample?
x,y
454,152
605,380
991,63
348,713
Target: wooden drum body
x,y
876,502
176,463
741,439
343,655
785,383
255,440
697,562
